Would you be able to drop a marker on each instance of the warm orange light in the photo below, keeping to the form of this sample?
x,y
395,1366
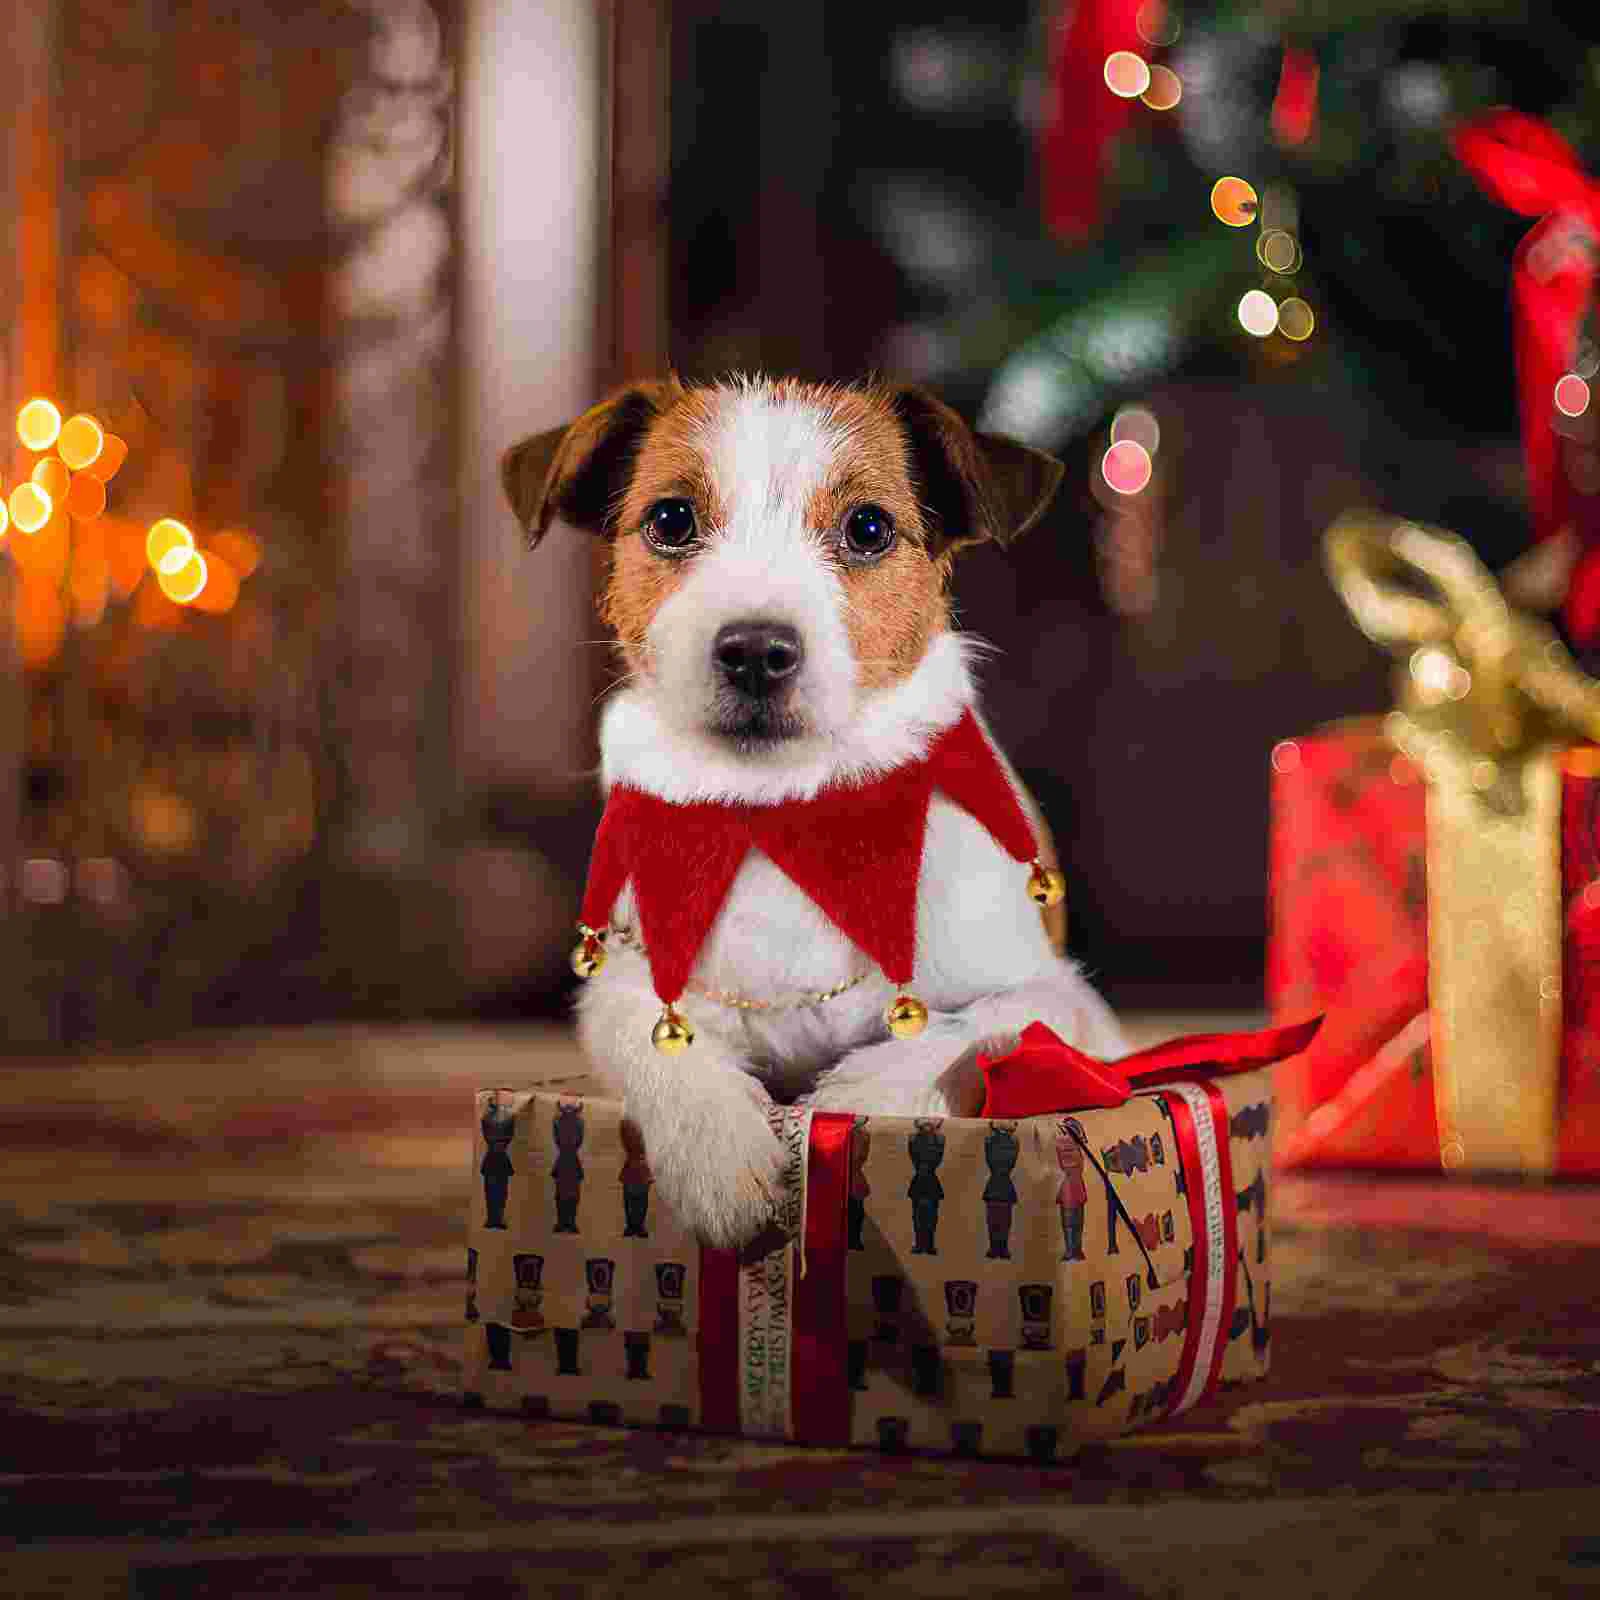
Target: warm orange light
x,y
5,520
86,497
221,588
1234,202
51,476
163,544
40,620
113,452
239,549
30,507
186,582
81,441
38,423
1165,91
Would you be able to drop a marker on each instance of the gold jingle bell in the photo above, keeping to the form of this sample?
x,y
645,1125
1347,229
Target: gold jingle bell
x,y
1046,886
672,1034
589,954
907,1017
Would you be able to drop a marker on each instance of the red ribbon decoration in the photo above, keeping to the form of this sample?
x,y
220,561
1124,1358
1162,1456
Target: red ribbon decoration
x,y
1526,166
1044,1075
821,1399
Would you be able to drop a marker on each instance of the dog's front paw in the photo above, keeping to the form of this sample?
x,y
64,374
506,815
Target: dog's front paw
x,y
719,1169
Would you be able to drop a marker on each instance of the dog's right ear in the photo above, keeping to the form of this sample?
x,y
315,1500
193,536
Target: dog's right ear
x,y
579,472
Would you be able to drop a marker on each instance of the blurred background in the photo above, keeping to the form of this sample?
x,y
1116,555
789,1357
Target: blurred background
x,y
325,752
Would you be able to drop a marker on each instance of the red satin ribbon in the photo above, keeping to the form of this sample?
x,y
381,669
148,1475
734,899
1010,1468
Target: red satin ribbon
x,y
820,1401
821,1387
1045,1075
1528,167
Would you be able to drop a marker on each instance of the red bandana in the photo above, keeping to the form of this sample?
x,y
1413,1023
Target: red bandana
x,y
856,850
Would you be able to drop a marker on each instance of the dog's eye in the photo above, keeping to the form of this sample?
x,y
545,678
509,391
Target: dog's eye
x,y
868,532
669,525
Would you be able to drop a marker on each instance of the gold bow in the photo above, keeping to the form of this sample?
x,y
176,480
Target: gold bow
x,y
1489,698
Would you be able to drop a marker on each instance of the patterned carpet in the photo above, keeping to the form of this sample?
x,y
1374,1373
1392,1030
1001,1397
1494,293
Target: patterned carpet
x,y
231,1279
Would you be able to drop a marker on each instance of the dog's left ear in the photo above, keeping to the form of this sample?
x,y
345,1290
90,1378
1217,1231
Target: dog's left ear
x,y
974,486
579,471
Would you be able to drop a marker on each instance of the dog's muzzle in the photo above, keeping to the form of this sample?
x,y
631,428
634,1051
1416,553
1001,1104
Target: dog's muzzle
x,y
757,658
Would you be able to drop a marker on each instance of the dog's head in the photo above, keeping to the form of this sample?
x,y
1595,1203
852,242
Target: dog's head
x,y
779,550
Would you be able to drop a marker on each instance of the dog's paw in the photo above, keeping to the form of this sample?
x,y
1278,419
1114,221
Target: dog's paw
x,y
720,1168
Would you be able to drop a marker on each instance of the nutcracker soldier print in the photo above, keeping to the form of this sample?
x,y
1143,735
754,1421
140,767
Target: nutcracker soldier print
x,y
1000,1151
636,1180
567,1172
926,1148
1072,1198
860,1149
499,1128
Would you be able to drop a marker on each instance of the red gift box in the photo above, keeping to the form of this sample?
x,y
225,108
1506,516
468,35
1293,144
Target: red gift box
x,y
1349,937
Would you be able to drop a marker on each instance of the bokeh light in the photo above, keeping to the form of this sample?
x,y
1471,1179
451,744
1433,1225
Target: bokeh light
x,y
1234,201
1572,395
165,539
1296,319
30,507
1258,312
86,497
38,423
1139,424
81,441
186,580
1277,249
239,548
1158,23
1165,91
51,476
1127,75
1127,466
5,520
113,452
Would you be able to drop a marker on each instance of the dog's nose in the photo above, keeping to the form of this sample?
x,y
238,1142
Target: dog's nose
x,y
757,658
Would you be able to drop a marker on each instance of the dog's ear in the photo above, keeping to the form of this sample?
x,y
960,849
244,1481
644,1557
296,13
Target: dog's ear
x,y
974,485
578,472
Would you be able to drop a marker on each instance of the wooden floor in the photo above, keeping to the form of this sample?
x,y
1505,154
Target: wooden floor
x,y
230,1295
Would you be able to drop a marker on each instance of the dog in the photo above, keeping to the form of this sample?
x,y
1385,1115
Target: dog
x,y
780,555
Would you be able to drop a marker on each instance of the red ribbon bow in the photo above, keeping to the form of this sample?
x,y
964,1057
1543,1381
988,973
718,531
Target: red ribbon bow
x,y
1044,1075
1526,166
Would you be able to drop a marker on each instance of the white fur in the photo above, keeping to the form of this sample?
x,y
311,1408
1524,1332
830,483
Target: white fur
x,y
984,965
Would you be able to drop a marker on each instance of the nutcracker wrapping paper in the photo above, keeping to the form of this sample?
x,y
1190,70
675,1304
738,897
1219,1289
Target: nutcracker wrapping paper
x,y
1003,1286
1435,885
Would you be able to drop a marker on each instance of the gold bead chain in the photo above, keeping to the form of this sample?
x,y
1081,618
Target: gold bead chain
x,y
721,997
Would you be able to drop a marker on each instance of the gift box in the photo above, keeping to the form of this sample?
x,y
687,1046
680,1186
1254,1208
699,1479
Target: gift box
x,y
1005,1285
1435,886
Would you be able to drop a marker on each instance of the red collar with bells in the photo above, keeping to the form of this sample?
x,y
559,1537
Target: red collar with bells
x,y
855,850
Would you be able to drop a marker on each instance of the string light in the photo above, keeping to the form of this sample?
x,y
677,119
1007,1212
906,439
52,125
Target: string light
x,y
1127,75
86,497
1258,313
1126,466
81,441
1295,319
113,452
31,507
1165,91
1572,395
1277,250
184,581
38,424
51,476
1234,201
164,542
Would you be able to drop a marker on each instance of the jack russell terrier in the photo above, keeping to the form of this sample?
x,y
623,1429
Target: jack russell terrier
x,y
809,836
